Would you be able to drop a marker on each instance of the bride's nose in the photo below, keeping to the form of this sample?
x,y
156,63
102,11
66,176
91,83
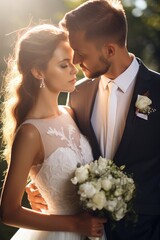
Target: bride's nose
x,y
74,69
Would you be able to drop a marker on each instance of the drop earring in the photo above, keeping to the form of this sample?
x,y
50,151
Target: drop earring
x,y
42,84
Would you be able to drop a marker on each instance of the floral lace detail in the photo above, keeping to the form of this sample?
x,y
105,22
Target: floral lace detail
x,y
85,148
65,147
70,139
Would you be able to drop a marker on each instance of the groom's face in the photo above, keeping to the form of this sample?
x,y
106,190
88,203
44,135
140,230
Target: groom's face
x,y
89,56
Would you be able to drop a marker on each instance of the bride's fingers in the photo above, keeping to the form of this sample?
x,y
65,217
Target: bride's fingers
x,y
35,192
34,196
97,233
98,228
38,207
31,190
102,220
35,199
99,223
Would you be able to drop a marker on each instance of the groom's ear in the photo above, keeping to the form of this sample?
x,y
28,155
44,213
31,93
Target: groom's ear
x,y
108,50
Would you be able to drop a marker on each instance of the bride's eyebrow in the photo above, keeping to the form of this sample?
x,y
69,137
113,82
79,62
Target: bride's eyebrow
x,y
65,60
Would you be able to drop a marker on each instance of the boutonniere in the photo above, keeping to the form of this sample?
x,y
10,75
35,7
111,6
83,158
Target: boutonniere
x,y
143,106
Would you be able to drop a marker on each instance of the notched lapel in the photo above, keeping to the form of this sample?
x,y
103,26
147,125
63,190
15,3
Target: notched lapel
x,y
142,85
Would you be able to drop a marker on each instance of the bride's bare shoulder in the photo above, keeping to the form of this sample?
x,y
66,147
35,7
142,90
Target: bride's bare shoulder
x,y
69,110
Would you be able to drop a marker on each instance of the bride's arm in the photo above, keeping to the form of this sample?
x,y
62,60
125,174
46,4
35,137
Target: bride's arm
x,y
26,150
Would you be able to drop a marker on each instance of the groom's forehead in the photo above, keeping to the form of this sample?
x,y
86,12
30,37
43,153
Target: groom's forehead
x,y
77,40
78,36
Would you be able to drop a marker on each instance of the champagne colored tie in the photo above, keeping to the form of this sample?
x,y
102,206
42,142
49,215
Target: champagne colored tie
x,y
111,118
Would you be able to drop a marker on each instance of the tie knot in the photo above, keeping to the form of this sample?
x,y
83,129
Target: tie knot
x,y
112,86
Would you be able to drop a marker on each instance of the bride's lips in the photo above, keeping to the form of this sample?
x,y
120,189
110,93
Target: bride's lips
x,y
73,80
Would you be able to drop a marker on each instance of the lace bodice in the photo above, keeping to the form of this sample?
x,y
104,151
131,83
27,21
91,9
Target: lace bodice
x,y
64,148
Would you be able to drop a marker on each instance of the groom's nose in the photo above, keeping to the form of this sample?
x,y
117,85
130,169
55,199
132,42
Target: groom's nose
x,y
76,58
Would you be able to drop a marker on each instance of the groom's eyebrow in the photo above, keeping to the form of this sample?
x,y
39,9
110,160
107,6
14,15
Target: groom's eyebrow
x,y
75,50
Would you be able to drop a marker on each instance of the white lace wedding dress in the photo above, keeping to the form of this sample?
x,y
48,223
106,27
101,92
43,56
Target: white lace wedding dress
x,y
64,148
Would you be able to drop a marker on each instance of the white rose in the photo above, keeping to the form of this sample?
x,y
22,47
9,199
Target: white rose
x,y
93,168
99,166
123,181
130,188
109,177
143,102
90,205
88,189
81,174
111,205
118,192
128,196
106,184
102,162
130,180
102,165
99,200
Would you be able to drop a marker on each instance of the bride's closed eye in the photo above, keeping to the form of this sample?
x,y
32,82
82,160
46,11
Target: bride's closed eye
x,y
64,65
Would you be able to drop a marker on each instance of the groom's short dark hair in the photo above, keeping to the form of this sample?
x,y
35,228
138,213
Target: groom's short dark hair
x,y
103,19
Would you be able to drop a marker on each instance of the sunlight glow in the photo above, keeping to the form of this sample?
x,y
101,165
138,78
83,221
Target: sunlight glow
x,y
137,12
141,4
127,3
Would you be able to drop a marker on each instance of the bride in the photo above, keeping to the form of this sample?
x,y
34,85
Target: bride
x,y
42,141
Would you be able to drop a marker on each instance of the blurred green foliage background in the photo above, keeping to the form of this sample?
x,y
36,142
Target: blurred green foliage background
x,y
143,40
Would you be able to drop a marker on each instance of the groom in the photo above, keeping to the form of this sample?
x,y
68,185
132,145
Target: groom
x,y
104,105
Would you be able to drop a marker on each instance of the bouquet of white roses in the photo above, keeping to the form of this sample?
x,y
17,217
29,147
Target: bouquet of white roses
x,y
104,188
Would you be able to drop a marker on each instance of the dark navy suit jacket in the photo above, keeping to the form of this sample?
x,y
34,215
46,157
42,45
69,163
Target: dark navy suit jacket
x,y
139,149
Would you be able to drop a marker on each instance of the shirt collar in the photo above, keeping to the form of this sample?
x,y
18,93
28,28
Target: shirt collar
x,y
124,79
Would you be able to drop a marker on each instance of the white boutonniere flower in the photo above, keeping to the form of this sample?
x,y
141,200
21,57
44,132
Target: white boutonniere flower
x,y
143,107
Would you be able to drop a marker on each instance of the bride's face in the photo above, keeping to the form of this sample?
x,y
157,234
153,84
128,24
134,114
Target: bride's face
x,y
90,58
60,75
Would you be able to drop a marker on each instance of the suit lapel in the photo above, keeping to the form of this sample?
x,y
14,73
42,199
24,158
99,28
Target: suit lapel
x,y
92,91
141,87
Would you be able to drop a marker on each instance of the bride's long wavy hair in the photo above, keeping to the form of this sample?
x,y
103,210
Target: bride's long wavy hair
x,y
34,49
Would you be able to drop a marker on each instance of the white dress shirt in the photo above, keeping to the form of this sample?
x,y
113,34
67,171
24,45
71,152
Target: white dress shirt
x,y
125,82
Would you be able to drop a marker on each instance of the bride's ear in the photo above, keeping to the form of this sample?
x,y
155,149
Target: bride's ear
x,y
37,73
